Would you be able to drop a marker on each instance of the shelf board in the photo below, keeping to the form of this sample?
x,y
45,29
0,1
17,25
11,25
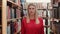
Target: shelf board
x,y
19,18
13,3
46,26
13,19
46,17
51,19
54,19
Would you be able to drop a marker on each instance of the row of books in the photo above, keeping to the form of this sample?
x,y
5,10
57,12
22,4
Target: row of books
x,y
14,27
41,13
39,5
13,12
56,12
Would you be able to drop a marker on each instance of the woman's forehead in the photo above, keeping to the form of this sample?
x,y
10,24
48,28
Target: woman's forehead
x,y
31,6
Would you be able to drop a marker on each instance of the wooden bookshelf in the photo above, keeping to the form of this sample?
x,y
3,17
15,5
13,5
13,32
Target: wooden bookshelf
x,y
4,20
3,5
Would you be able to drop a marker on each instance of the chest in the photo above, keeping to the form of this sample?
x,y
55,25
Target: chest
x,y
32,25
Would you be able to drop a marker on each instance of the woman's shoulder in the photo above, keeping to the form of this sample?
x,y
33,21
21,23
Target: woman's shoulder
x,y
40,18
24,18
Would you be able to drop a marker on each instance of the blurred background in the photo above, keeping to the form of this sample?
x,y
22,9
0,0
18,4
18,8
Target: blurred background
x,y
12,12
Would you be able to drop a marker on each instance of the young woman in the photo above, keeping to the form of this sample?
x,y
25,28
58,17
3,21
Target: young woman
x,y
32,24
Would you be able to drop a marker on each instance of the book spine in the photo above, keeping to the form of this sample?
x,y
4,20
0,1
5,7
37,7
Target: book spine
x,y
8,29
15,26
19,24
55,13
8,12
18,2
59,12
17,13
12,27
12,13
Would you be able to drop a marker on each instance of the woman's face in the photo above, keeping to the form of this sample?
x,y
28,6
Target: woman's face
x,y
32,10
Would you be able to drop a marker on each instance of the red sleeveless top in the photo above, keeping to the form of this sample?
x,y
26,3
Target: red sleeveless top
x,y
32,27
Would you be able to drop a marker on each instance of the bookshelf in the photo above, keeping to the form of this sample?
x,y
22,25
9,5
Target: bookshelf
x,y
56,19
11,4
10,16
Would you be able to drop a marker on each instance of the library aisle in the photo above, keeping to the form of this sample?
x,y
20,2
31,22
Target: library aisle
x,y
13,11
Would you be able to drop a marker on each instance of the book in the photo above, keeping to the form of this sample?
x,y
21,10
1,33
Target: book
x,y
19,25
13,13
40,13
8,13
17,13
8,29
49,13
18,2
49,6
25,12
59,9
12,27
44,13
15,26
22,1
56,13
22,14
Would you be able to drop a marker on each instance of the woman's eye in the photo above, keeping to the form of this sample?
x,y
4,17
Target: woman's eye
x,y
29,8
32,8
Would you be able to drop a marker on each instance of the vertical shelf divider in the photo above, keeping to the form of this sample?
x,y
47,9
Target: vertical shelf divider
x,y
4,20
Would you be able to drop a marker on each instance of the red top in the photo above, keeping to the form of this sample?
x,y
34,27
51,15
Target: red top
x,y
32,27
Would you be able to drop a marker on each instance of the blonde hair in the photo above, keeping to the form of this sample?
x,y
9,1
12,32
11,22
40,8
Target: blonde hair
x,y
36,15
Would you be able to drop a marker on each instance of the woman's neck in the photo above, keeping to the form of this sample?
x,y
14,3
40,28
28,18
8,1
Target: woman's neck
x,y
32,17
